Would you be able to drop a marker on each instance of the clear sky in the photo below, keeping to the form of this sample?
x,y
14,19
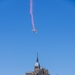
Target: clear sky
x,y
55,40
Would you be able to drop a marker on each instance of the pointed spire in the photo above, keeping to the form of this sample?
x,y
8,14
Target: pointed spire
x,y
37,65
37,60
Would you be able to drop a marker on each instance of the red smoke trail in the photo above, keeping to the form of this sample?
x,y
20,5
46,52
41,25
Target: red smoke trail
x,y
31,13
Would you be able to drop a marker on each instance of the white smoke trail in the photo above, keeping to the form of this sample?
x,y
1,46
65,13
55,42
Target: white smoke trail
x,y
31,13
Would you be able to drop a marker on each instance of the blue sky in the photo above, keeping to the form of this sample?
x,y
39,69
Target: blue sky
x,y
55,40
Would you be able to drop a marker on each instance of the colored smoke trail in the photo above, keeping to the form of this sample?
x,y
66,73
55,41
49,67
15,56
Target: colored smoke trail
x,y
31,13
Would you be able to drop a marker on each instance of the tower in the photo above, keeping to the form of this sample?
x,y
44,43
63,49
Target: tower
x,y
37,65
37,69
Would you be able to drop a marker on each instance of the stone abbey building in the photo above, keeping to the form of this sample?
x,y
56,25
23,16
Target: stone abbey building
x,y
38,70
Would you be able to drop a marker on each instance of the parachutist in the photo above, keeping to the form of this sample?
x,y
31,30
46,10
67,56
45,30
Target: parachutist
x,y
34,30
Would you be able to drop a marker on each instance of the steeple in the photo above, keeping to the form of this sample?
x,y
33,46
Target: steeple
x,y
37,60
37,65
